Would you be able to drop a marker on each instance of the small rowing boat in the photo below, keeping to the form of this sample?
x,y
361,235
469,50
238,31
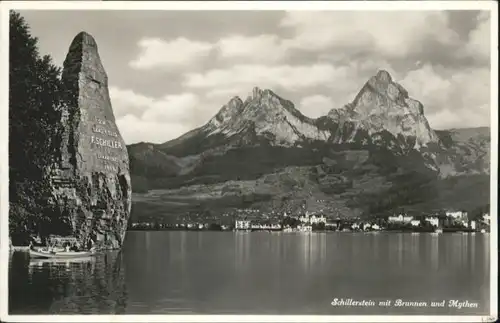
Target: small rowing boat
x,y
60,261
60,254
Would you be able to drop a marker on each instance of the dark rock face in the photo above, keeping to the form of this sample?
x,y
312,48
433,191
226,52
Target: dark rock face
x,y
91,183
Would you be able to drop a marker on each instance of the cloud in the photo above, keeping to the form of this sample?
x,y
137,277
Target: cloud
x,y
340,82
173,108
248,76
180,52
134,129
334,84
392,34
478,45
449,119
320,61
143,118
226,93
127,102
427,85
169,108
451,98
255,48
388,34
315,106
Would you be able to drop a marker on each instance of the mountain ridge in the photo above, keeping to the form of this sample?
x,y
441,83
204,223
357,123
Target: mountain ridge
x,y
251,142
267,115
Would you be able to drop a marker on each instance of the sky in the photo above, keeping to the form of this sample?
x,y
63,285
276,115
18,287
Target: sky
x,y
171,71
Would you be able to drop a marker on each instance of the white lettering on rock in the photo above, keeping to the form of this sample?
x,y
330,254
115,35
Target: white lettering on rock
x,y
105,142
104,131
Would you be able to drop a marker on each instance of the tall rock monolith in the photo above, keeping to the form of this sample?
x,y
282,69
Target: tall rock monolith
x,y
91,181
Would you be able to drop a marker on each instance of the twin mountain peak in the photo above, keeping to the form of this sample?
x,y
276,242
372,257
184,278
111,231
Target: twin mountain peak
x,y
382,117
382,106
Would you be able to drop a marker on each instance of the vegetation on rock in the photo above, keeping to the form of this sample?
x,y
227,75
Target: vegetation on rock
x,y
35,99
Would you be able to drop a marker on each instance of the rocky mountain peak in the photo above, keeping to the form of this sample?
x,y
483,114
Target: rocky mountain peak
x,y
259,94
383,85
269,106
383,76
263,113
227,112
234,104
383,104
260,103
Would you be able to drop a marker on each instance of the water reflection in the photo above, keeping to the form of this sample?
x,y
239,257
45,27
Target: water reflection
x,y
375,243
256,273
241,250
400,249
472,249
323,248
89,285
305,250
434,252
414,246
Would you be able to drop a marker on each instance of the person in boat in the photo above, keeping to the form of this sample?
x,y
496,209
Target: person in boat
x,y
76,247
90,244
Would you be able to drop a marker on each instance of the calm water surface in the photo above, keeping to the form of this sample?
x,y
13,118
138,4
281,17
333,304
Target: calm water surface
x,y
259,273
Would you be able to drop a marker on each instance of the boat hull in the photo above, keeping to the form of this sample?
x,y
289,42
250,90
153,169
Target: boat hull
x,y
38,262
60,254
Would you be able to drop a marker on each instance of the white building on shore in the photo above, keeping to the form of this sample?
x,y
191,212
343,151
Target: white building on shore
x,y
242,225
304,228
415,223
434,221
457,215
317,219
402,218
312,218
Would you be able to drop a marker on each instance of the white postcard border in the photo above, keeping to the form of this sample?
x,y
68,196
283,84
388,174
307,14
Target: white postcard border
x,y
492,6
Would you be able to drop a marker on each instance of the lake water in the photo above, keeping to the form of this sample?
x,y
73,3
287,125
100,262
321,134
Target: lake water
x,y
260,273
